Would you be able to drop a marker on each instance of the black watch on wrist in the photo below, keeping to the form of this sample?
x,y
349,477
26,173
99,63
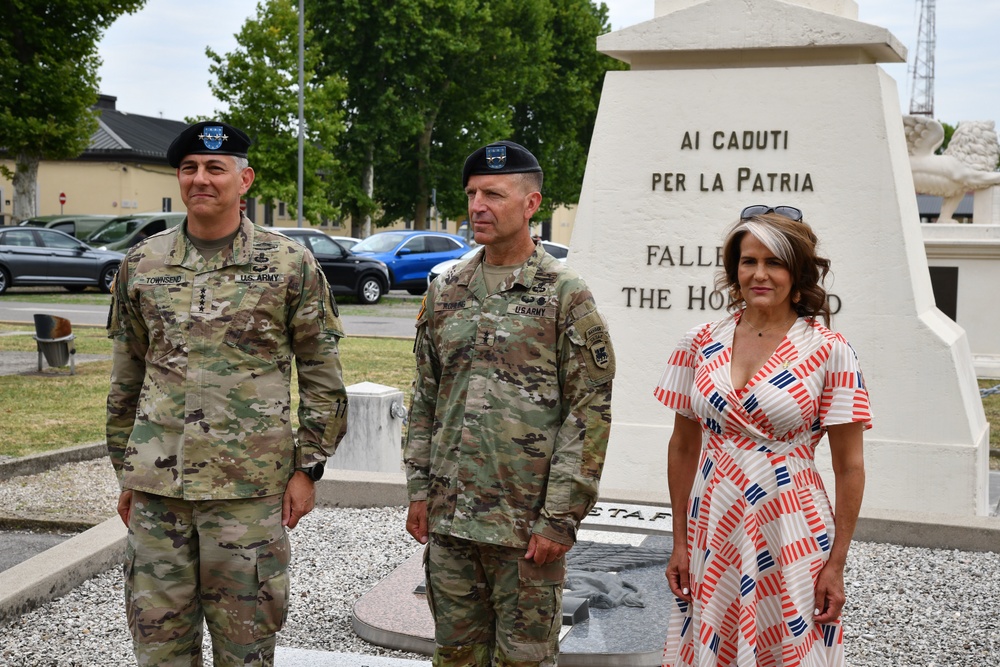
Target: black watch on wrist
x,y
315,471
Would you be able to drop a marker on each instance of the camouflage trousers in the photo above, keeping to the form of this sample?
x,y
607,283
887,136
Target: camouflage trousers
x,y
224,562
492,607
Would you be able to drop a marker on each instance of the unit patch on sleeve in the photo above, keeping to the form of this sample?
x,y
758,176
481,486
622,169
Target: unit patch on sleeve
x,y
590,333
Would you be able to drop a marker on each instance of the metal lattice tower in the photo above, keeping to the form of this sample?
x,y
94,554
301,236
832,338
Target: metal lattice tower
x,y
922,92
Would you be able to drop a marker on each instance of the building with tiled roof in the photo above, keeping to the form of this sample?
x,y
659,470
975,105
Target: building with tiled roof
x,y
125,136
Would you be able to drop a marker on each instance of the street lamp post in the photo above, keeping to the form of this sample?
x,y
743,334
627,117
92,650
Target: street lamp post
x,y
302,121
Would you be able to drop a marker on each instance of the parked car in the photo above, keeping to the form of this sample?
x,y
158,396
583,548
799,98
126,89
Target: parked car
x,y
33,256
125,231
347,241
410,255
347,273
81,226
557,250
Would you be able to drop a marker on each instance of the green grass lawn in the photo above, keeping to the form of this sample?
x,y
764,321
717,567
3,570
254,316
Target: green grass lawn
x,y
43,412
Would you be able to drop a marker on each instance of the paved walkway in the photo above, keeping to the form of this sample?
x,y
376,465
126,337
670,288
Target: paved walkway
x,y
356,325
12,363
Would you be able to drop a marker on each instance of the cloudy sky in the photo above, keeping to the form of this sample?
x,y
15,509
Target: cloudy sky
x,y
154,61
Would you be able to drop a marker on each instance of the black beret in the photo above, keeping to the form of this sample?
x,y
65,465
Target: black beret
x,y
501,157
209,137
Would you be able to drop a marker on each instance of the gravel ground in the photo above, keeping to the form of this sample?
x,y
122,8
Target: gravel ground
x,y
906,606
85,491
337,554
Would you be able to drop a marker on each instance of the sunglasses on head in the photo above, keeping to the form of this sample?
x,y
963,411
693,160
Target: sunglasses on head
x,y
789,212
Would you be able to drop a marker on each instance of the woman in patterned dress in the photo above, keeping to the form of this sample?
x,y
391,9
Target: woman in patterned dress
x,y
761,581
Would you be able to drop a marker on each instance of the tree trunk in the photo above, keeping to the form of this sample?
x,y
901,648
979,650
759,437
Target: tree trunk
x,y
423,166
368,185
25,187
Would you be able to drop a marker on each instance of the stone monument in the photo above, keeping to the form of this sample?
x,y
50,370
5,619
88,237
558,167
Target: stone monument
x,y
731,103
968,163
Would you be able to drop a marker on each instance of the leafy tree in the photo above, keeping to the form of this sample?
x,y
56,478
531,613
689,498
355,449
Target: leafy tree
x,y
427,81
48,84
431,80
259,82
556,121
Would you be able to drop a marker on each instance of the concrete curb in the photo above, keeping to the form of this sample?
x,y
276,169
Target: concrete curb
x,y
355,488
930,531
35,463
60,569
43,525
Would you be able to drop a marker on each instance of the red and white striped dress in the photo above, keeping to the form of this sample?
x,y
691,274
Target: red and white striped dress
x,y
760,525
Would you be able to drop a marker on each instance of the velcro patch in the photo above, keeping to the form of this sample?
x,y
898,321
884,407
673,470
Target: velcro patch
x,y
486,336
531,311
258,278
449,305
161,280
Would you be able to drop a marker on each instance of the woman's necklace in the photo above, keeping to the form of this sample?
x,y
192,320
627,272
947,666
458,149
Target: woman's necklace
x,y
760,332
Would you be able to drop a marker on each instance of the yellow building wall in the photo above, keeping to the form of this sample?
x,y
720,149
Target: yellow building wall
x,y
562,224
111,188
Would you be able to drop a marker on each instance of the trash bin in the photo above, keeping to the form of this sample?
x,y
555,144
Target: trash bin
x,y
54,338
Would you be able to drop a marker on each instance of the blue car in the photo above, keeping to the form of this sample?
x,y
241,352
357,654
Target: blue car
x,y
411,255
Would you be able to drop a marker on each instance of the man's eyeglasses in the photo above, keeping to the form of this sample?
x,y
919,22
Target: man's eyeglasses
x,y
789,212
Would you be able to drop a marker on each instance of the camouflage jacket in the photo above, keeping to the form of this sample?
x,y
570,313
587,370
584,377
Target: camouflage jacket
x,y
199,405
511,405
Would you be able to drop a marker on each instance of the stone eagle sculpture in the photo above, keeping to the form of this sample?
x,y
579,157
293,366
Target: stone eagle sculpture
x,y
969,162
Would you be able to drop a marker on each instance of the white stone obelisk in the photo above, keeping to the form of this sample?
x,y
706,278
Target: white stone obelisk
x,y
730,103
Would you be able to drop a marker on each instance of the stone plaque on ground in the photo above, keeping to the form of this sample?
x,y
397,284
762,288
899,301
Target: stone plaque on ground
x,y
395,616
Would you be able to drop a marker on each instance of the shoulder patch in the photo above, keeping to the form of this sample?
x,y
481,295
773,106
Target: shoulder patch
x,y
590,334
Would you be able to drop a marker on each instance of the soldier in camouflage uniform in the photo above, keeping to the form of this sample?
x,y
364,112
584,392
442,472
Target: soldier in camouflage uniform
x,y
207,319
508,428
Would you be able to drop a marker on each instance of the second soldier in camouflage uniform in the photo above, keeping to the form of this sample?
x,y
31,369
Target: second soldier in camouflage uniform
x,y
508,428
208,319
